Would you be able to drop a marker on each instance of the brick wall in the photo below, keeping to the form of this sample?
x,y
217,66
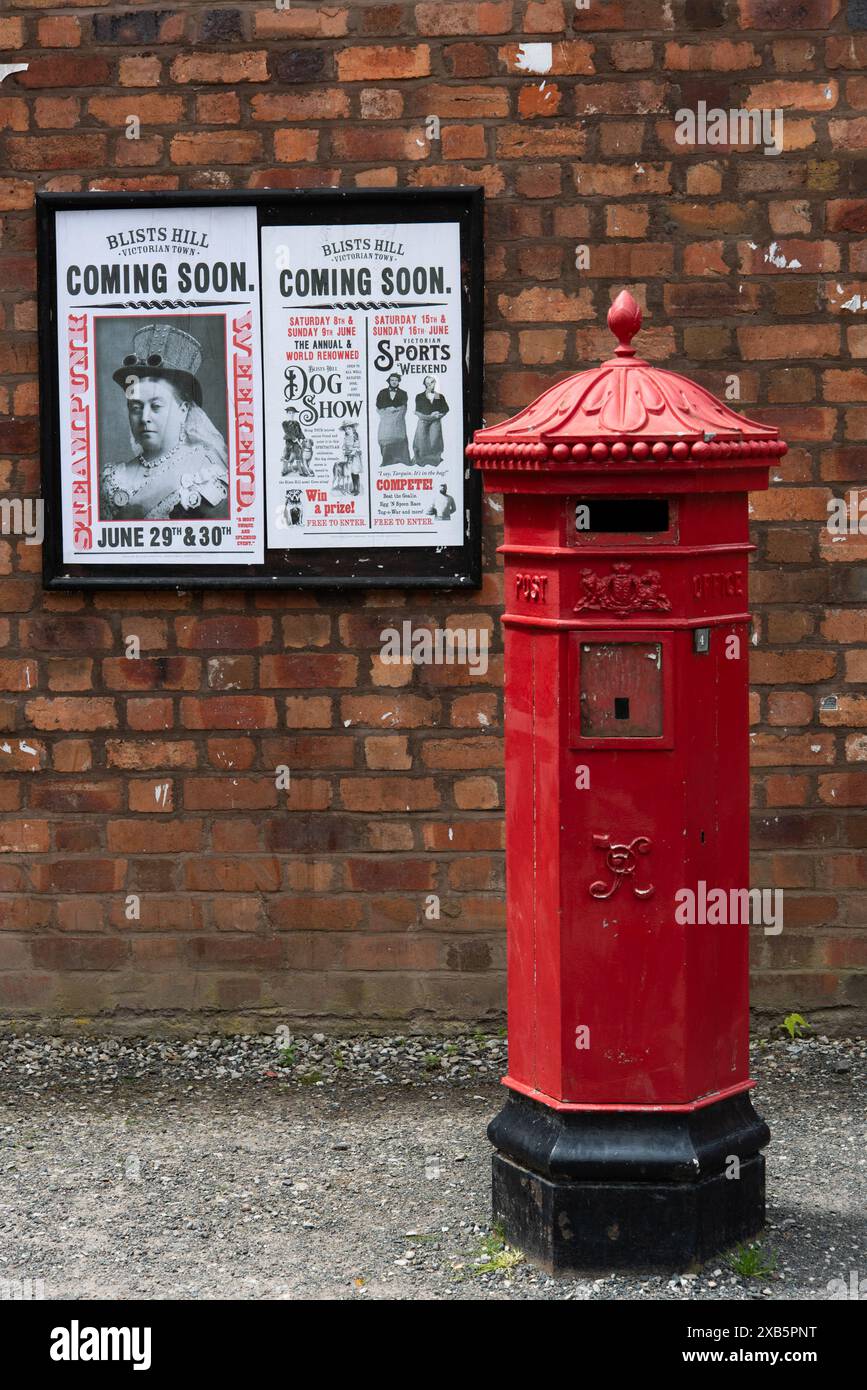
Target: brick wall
x,y
155,778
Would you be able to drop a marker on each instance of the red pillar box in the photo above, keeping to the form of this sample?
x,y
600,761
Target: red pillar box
x,y
628,1138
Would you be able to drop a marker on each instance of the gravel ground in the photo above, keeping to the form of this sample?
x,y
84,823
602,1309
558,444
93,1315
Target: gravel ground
x,y
313,1167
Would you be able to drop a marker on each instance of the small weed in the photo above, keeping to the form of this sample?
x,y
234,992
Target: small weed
x,y
752,1262
431,1061
287,1056
495,1256
795,1025
310,1078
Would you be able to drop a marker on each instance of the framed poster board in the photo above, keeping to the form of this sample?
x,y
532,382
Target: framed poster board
x,y
260,389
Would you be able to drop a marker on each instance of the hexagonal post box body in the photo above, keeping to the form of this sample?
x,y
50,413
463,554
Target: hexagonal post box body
x,y
627,802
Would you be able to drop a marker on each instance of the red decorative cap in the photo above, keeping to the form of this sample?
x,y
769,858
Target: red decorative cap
x,y
624,320
624,413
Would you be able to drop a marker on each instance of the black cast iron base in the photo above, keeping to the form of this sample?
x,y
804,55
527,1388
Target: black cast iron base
x,y
603,1190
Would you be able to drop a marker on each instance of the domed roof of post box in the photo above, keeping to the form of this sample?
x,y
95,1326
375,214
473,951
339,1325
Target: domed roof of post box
x,y
627,414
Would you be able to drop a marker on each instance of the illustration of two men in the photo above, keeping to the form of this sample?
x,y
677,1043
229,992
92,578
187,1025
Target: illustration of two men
x,y
430,407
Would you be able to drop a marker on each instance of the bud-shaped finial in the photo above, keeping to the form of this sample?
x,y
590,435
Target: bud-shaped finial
x,y
624,320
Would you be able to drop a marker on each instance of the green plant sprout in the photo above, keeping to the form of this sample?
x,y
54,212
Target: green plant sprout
x,y
752,1262
794,1025
501,1259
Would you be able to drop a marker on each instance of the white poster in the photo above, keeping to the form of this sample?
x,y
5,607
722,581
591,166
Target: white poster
x,y
364,412
159,386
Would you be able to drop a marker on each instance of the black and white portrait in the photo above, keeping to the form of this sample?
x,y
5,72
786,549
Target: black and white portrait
x,y
162,417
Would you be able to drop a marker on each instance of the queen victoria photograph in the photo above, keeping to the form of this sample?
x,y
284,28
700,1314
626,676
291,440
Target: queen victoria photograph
x,y
162,418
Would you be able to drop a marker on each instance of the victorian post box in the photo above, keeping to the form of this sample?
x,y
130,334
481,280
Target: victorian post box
x,y
628,1138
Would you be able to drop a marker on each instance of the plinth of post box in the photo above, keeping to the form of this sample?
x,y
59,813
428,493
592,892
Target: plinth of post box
x,y
628,1138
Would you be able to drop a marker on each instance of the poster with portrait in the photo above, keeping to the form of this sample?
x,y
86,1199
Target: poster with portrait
x,y
363,384
160,435
260,388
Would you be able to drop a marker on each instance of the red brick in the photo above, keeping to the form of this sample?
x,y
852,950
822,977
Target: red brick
x,y
44,152
787,14
220,67
388,712
402,794
11,33
319,22
843,788
393,64
218,108
79,876
235,754
792,668
467,60
323,104
65,71
463,752
798,96
789,340
17,675
71,715
462,17
14,114
624,14
375,143
464,101
152,797
150,110
257,875
567,58
389,873
257,792
539,101
543,17
171,836
718,55
229,712
140,72
23,836
77,798
152,673
317,913
230,632
789,750
216,147
310,670
60,31
476,794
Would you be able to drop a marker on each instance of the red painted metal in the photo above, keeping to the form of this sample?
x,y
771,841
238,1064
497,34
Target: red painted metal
x,y
624,783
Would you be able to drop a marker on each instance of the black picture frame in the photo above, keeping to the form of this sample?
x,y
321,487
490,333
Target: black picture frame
x,y
450,567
